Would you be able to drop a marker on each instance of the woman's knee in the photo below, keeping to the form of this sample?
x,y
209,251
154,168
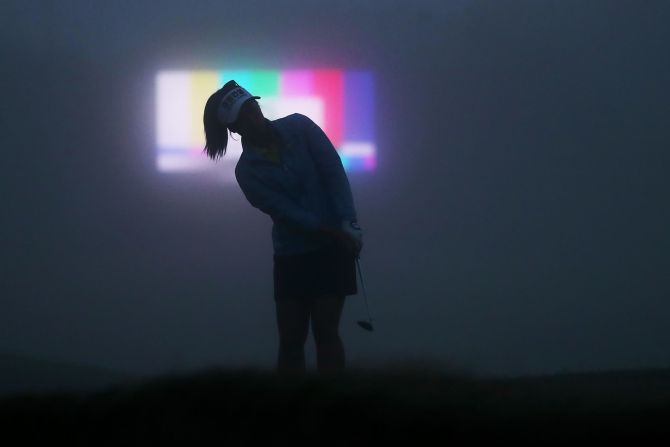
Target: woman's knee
x,y
293,342
293,324
325,316
326,337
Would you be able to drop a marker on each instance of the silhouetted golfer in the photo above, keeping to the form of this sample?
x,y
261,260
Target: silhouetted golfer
x,y
291,171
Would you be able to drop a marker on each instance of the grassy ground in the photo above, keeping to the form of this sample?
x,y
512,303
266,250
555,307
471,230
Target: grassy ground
x,y
399,405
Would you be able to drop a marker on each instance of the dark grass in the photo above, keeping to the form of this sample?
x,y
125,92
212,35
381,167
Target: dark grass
x,y
401,404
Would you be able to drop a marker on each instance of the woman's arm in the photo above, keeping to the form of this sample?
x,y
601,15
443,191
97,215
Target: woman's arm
x,y
349,242
330,168
280,207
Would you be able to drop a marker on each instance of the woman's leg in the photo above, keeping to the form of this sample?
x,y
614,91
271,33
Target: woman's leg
x,y
293,325
326,312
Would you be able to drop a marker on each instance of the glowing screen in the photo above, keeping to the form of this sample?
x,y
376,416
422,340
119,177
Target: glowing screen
x,y
339,101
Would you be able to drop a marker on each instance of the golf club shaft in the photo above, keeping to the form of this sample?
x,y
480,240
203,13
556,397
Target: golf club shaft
x,y
365,295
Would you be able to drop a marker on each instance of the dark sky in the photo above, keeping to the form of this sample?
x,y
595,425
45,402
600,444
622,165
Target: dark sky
x,y
517,222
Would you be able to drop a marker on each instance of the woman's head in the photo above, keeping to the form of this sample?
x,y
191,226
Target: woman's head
x,y
250,119
217,117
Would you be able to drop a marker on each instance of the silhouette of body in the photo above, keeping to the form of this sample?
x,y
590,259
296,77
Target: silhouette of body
x,y
294,315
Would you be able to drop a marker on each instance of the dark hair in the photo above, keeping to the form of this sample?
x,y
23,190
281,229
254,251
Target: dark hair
x,y
216,133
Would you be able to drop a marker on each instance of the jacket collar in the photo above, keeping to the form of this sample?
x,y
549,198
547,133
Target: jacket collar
x,y
252,155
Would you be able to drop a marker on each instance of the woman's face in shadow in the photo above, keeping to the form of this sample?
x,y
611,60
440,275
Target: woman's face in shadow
x,y
250,120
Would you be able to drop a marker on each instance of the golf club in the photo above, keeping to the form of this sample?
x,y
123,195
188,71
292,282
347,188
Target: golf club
x,y
367,325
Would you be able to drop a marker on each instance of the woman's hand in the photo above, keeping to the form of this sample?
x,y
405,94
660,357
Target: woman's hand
x,y
351,228
351,244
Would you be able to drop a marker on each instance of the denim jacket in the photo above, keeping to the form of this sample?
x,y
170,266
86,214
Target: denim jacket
x,y
307,189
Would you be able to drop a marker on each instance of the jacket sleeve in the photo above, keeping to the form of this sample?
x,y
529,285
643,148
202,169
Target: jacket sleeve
x,y
330,168
272,202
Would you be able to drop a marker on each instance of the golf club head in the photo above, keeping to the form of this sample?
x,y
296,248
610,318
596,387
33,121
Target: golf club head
x,y
365,325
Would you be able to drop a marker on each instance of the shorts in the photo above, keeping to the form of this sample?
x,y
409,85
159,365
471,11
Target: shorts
x,y
328,270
